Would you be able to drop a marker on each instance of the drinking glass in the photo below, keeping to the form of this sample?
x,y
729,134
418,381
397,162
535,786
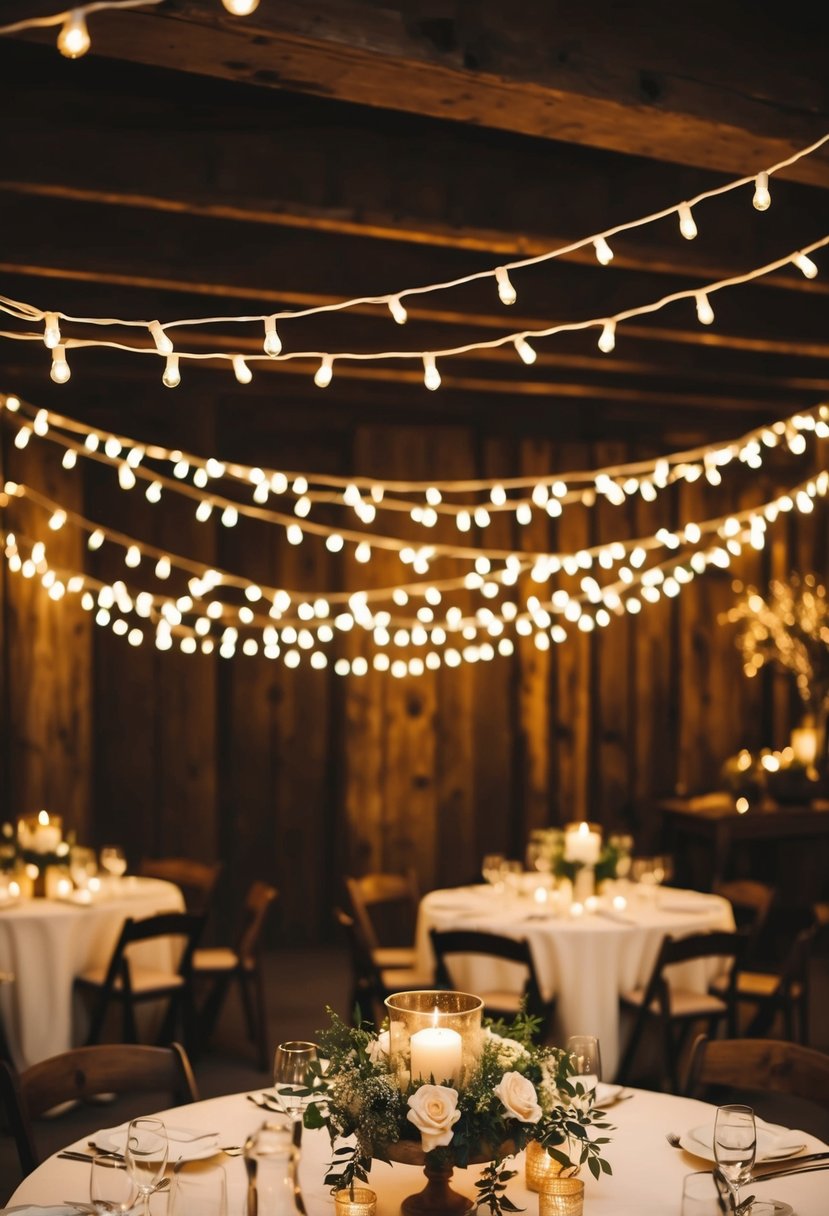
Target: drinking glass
x,y
111,1188
587,1060
198,1193
290,1072
114,860
491,868
146,1155
735,1145
83,865
511,874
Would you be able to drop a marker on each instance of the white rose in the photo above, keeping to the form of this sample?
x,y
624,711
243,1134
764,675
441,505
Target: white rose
x,y
378,1049
510,1048
434,1113
519,1097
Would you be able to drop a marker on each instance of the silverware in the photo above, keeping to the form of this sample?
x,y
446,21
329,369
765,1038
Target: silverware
x,y
768,1175
673,1139
792,1163
72,1155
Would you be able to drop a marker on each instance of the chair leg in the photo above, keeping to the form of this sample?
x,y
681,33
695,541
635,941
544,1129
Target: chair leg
x,y
167,1032
632,1046
210,1010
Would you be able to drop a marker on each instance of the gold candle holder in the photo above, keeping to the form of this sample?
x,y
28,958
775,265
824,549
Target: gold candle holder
x,y
434,1034
359,1201
562,1197
539,1167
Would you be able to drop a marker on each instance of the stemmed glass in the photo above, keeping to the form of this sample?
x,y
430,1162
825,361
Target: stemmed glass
x,y
111,1188
491,869
114,860
735,1145
146,1156
587,1060
290,1071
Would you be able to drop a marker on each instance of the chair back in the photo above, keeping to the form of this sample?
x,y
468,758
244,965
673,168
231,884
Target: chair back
x,y
751,902
763,1064
466,942
79,1074
385,907
182,925
258,902
685,949
367,984
196,880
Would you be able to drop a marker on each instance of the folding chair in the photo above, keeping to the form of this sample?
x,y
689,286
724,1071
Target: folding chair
x,y
385,907
196,880
785,992
81,1074
371,984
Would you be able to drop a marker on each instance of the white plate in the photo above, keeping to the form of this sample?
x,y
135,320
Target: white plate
x,y
699,1142
183,1147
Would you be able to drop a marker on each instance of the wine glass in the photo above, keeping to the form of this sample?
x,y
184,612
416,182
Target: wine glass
x,y
114,860
146,1156
83,865
491,868
735,1145
290,1077
202,1192
586,1059
111,1188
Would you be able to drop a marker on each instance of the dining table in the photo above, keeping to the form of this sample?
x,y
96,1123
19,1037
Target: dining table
x,y
46,943
585,954
647,1178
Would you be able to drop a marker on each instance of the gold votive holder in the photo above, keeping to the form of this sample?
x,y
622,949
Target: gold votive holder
x,y
359,1201
539,1167
434,1033
562,1197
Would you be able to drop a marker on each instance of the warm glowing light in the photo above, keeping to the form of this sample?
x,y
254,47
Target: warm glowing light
x,y
431,375
241,8
162,343
506,292
762,197
51,331
241,370
604,254
687,223
398,310
60,371
172,376
325,372
705,313
805,265
73,39
527,353
607,338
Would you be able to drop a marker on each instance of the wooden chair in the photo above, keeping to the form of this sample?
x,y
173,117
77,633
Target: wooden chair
x,y
243,963
123,982
6,977
371,984
197,880
751,902
763,1064
673,1007
785,992
81,1074
385,908
500,1003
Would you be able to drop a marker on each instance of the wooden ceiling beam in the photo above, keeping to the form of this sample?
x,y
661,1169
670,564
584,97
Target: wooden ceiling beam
x,y
584,74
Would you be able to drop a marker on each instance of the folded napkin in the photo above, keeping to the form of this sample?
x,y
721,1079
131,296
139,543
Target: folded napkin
x,y
773,1141
176,1135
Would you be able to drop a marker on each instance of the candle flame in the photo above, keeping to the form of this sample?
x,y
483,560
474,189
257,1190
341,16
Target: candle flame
x,y
43,818
584,829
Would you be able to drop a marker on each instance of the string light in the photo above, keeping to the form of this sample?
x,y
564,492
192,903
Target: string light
x,y
325,372
172,376
73,39
241,370
398,310
273,343
705,313
607,338
431,375
506,292
762,197
51,331
241,8
604,254
805,265
60,371
163,344
527,353
687,223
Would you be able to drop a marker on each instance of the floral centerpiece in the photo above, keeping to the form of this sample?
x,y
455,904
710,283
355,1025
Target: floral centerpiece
x,y
516,1092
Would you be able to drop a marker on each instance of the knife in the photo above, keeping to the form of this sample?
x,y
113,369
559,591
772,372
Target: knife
x,y
792,1163
788,1173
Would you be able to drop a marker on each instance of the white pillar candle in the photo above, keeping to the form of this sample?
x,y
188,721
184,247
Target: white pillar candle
x,y
582,844
437,1052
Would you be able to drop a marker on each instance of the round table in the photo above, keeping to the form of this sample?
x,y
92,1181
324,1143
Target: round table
x,y
584,960
45,943
647,1173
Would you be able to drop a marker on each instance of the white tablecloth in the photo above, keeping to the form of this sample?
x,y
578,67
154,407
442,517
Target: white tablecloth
x,y
586,961
45,943
647,1172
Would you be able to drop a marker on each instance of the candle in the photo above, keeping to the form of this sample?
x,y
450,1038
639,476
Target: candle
x,y
582,844
42,835
437,1052
804,745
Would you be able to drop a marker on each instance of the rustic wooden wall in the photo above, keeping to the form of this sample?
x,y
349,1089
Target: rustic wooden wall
x,y
299,776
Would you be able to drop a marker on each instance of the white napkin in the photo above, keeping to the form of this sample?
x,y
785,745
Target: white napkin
x,y
176,1135
772,1140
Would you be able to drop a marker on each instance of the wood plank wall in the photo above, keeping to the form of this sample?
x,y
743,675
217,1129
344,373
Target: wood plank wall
x,y
298,775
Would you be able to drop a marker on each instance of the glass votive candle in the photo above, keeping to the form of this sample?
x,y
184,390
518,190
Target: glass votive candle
x,y
357,1201
539,1167
562,1197
434,1034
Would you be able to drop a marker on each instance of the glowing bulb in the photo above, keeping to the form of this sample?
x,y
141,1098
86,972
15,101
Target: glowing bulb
x,y
506,292
398,310
762,197
805,265
705,313
162,568
431,375
51,332
132,557
73,39
172,376
527,353
162,343
325,372
273,343
230,517
60,372
22,437
241,8
126,477
96,539
687,223
604,254
241,370
57,520
70,458
607,338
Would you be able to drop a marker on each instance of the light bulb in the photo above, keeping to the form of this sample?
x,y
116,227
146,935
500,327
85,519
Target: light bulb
x,y
172,376
73,39
241,370
273,343
51,332
162,343
762,198
60,372
431,375
506,292
325,372
805,265
398,310
604,254
607,338
687,224
527,353
705,313
241,8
